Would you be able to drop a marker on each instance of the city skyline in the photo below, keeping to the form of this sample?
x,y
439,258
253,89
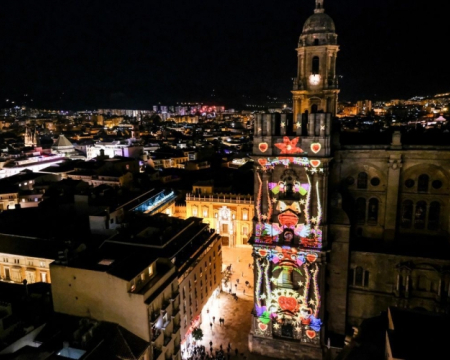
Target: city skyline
x,y
89,55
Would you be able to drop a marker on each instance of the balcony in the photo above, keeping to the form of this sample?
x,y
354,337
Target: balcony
x,y
166,305
228,198
157,354
176,310
176,352
157,337
153,317
176,328
167,340
175,294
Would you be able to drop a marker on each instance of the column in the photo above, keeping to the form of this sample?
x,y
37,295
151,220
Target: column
x,y
393,179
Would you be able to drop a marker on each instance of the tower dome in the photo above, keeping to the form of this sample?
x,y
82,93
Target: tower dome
x,y
319,22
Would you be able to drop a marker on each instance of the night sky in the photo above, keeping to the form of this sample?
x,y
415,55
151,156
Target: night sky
x,y
76,54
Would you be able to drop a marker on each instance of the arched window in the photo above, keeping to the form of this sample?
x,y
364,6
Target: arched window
x,y
407,211
433,216
361,183
422,184
194,211
316,42
373,211
420,215
360,211
314,109
315,65
359,276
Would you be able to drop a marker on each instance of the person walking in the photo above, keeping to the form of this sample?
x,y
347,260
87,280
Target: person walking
x,y
242,274
249,265
214,319
244,291
210,324
237,280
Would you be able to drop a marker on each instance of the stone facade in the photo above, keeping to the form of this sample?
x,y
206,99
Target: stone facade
x,y
374,218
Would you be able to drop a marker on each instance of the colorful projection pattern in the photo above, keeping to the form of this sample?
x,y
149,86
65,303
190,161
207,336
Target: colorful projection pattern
x,y
289,146
287,297
288,238
309,232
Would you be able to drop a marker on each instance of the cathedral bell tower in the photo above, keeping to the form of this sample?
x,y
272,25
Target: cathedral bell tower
x,y
316,85
291,154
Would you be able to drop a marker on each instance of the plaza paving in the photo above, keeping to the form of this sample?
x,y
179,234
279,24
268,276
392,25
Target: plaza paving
x,y
236,313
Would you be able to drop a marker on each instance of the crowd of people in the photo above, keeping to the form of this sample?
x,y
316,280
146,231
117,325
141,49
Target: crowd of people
x,y
200,352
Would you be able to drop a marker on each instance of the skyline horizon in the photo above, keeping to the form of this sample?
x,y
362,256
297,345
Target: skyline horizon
x,y
90,56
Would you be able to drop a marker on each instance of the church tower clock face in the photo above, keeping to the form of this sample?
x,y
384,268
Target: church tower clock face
x,y
314,79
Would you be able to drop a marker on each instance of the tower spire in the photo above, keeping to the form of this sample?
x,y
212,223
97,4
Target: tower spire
x,y
319,7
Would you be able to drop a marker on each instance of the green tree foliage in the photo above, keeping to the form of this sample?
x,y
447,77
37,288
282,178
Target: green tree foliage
x,y
197,334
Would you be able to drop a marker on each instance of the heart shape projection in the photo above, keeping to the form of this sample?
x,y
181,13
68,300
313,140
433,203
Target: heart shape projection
x,y
262,327
262,162
311,334
262,252
287,303
311,257
315,147
314,163
263,146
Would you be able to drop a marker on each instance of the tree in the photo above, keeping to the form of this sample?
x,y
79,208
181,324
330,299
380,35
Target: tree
x,y
197,334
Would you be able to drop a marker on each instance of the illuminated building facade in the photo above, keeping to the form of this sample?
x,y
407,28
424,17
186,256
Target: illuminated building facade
x,y
229,214
292,156
316,84
24,258
369,221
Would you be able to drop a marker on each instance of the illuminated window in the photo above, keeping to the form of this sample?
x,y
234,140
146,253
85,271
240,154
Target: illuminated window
x,y
142,277
244,214
205,213
194,211
245,230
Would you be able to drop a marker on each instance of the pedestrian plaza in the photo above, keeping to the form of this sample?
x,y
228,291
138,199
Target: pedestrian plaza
x,y
234,310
